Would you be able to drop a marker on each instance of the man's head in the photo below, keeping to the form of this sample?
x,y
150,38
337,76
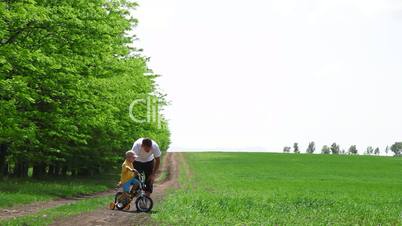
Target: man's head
x,y
130,156
146,144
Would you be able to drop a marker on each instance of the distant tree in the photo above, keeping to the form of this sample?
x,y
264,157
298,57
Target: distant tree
x,y
397,148
387,150
325,150
377,151
353,150
343,151
335,149
311,147
296,148
369,150
286,149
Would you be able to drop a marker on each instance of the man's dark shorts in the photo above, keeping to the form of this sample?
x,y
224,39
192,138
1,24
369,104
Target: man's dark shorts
x,y
147,168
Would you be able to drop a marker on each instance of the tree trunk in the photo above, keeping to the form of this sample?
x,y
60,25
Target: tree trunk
x,y
64,171
83,172
57,170
24,169
4,170
3,163
35,171
39,170
74,172
50,172
19,169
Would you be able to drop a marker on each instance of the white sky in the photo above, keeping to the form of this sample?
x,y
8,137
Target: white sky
x,y
261,74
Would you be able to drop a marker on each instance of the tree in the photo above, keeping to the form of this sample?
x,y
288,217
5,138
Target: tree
x,y
335,148
311,147
296,148
353,150
377,151
325,150
68,72
286,149
397,148
386,150
370,150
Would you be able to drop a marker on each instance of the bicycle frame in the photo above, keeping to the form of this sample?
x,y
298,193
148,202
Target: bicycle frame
x,y
141,186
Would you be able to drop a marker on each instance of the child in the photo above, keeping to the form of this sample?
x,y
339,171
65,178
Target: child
x,y
128,172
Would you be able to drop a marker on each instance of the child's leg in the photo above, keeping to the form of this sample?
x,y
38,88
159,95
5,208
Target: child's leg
x,y
126,186
135,182
125,195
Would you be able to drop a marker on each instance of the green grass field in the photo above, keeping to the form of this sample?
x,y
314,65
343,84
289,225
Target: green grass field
x,y
286,189
22,191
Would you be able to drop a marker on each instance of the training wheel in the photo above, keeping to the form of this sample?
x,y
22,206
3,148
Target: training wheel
x,y
112,205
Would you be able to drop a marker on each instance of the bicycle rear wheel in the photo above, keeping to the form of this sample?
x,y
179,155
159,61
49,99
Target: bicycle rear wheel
x,y
121,200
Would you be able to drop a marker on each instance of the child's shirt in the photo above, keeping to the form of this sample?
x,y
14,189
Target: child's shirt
x,y
126,172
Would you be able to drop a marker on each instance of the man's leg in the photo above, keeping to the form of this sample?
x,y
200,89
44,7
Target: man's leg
x,y
140,167
148,169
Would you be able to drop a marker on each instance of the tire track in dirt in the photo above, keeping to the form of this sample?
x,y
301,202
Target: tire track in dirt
x,y
105,216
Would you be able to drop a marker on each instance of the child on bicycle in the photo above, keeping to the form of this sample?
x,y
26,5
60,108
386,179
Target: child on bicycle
x,y
128,172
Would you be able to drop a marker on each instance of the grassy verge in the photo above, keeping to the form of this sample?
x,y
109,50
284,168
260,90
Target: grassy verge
x,y
23,191
286,189
47,216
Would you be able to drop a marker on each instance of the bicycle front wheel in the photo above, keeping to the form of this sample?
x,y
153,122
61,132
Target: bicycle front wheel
x,y
144,204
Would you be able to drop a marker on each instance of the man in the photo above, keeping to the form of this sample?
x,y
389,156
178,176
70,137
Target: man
x,y
147,161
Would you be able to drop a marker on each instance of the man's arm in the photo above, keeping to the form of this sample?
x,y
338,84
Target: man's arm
x,y
156,168
157,155
156,165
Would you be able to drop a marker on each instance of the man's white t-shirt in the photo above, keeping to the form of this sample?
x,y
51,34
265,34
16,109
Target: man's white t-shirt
x,y
143,156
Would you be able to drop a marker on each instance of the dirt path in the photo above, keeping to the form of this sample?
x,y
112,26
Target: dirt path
x,y
104,216
22,210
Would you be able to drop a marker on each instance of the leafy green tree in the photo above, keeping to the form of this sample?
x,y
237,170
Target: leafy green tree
x,y
325,150
311,147
68,73
335,149
377,151
369,150
296,148
286,149
397,148
353,150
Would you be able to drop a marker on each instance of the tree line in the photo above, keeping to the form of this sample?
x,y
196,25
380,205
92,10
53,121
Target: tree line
x,y
68,73
335,149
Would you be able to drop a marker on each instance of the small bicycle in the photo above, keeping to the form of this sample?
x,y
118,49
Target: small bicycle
x,y
123,200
